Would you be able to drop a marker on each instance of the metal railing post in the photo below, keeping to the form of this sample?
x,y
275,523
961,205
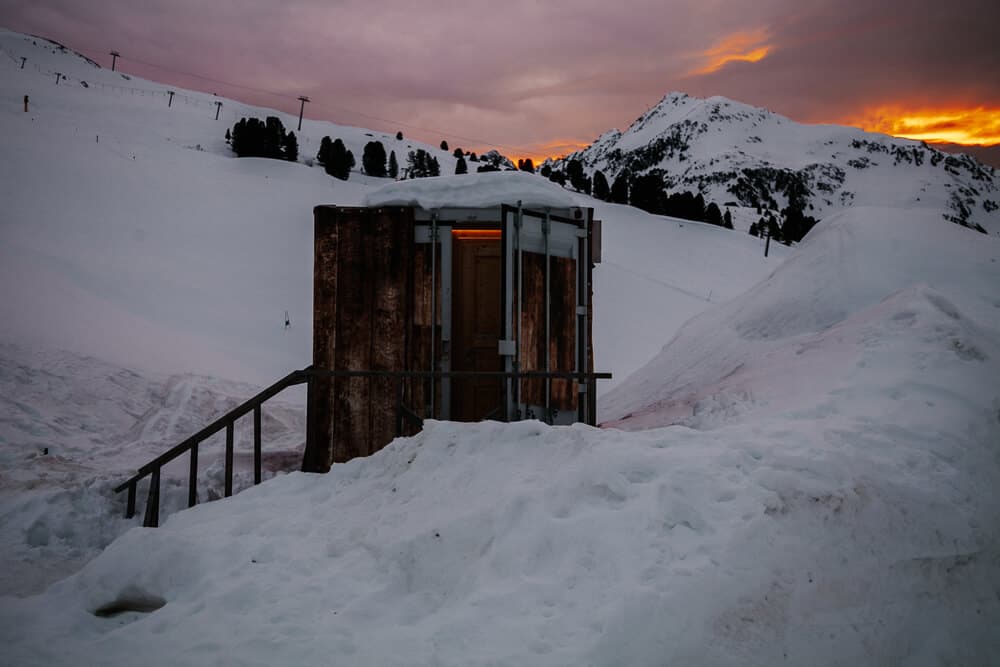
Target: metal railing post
x,y
193,477
229,459
152,518
257,444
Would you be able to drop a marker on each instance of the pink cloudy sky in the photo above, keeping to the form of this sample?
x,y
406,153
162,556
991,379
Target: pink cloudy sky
x,y
536,76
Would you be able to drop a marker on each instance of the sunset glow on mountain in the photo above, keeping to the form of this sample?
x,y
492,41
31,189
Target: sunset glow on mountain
x,y
968,126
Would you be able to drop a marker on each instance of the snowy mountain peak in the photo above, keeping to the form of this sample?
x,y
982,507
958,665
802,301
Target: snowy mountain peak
x,y
750,157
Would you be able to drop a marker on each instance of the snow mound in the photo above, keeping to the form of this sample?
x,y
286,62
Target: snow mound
x,y
507,544
483,190
800,333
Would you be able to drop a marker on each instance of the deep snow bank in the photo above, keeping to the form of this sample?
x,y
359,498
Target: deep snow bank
x,y
475,190
820,542
857,278
73,427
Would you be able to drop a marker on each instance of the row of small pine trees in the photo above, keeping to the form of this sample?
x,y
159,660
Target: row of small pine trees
x,y
251,137
646,192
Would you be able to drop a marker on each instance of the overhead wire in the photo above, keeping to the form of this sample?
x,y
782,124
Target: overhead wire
x,y
339,109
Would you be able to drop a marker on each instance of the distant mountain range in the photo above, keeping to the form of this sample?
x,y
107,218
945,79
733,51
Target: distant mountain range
x,y
745,156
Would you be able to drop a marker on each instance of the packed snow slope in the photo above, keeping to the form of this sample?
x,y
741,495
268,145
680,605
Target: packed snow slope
x,y
131,233
858,276
73,427
843,511
812,482
744,156
140,261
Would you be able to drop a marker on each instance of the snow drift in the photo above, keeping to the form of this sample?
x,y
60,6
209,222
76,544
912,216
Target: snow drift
x,y
848,519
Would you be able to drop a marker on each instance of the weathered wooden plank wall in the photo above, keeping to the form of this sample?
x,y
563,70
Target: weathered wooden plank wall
x,y
390,278
563,318
321,426
372,309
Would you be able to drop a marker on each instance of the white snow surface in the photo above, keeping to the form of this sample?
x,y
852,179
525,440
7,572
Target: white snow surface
x,y
480,190
806,474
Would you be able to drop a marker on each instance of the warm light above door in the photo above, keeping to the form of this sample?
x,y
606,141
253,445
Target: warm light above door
x,y
476,234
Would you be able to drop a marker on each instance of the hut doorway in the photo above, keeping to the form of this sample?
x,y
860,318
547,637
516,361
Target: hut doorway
x,y
476,277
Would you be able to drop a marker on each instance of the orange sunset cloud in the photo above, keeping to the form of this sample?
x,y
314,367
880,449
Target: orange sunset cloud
x,y
959,126
749,46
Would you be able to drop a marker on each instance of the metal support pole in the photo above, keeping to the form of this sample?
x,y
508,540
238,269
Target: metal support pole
x,y
114,59
434,241
193,477
152,518
130,503
445,362
24,59
256,444
767,242
229,460
546,226
518,222
170,100
585,338
218,108
58,76
303,99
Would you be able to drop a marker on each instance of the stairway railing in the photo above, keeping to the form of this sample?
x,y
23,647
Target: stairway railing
x,y
151,518
190,446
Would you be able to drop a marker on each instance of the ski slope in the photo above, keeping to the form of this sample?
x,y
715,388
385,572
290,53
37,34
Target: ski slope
x,y
800,465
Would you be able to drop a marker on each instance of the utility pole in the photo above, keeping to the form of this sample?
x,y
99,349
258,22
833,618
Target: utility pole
x,y
23,60
114,59
218,108
767,243
58,76
303,99
171,100
25,104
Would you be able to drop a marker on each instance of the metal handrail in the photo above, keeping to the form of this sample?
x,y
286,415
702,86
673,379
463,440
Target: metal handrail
x,y
306,375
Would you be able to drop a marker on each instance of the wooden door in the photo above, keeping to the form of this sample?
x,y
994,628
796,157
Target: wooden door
x,y
476,328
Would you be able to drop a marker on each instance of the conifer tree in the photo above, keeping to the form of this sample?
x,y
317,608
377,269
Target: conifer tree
x,y
460,166
393,165
444,145
619,189
727,220
646,192
574,172
420,164
457,153
698,213
713,215
526,165
399,136
601,189
340,161
290,147
373,159
324,150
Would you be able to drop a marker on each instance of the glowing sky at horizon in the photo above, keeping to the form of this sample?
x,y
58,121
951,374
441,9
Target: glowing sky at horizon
x,y
539,79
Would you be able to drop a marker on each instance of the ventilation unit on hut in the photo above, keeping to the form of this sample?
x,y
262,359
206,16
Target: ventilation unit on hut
x,y
461,298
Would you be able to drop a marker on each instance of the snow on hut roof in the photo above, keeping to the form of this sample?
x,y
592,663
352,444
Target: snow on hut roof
x,y
474,191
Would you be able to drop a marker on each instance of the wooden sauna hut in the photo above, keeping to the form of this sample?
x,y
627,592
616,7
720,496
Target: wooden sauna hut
x,y
456,298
